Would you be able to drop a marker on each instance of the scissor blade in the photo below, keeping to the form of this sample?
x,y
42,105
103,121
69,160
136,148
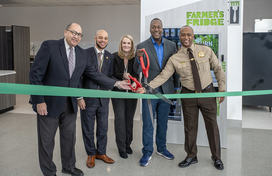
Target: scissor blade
x,y
150,90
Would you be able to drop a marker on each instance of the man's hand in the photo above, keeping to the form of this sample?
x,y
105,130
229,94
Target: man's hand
x,y
122,85
42,109
81,104
140,90
139,53
126,76
221,99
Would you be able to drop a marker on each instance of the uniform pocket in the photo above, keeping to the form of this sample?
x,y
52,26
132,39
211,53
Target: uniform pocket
x,y
184,69
203,64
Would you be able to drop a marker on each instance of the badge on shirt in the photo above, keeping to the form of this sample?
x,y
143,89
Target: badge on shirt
x,y
182,62
201,54
106,57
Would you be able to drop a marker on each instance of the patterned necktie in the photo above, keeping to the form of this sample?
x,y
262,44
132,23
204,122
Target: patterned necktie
x,y
197,82
99,61
71,62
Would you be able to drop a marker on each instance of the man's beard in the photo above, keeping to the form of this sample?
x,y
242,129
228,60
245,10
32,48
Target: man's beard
x,y
99,47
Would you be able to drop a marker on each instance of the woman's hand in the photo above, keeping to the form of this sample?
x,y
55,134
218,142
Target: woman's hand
x,y
126,76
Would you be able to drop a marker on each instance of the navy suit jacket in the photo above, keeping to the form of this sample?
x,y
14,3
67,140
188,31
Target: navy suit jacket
x,y
107,70
50,67
169,49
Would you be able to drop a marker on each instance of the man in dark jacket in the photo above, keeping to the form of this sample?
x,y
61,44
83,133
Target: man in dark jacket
x,y
96,108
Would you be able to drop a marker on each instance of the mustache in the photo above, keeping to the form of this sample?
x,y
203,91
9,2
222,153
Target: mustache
x,y
97,44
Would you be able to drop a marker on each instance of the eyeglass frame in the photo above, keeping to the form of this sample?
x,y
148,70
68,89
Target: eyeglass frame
x,y
74,33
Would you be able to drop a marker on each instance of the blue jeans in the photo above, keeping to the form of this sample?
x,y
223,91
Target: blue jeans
x,y
162,110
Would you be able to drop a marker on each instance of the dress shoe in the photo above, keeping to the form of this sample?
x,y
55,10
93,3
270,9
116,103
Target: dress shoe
x,y
188,161
105,158
123,154
73,172
218,164
90,161
129,150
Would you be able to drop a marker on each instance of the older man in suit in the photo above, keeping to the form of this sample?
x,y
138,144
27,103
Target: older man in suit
x,y
96,108
159,51
61,63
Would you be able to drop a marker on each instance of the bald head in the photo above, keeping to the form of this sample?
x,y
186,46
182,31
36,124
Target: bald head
x,y
100,31
101,39
72,24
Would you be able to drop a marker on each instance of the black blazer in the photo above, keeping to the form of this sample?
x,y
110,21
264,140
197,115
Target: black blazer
x,y
107,70
119,68
50,67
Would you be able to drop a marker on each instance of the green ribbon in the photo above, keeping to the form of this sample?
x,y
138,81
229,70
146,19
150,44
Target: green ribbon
x,y
26,89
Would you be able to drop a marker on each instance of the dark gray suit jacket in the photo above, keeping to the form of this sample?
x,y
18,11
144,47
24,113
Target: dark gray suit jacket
x,y
169,49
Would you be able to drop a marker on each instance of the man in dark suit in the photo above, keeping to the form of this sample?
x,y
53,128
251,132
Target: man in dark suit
x,y
61,63
96,108
159,51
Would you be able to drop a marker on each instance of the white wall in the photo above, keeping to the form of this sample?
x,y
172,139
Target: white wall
x,y
256,9
50,22
263,25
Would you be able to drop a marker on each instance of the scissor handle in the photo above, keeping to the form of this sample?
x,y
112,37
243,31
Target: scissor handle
x,y
145,69
138,85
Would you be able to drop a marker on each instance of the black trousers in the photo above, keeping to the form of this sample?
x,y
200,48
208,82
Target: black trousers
x,y
208,108
124,110
47,127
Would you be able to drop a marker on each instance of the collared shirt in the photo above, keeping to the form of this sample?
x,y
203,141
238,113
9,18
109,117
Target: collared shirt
x,y
159,50
67,49
179,62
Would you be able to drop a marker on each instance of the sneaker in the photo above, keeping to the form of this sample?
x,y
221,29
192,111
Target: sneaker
x,y
144,160
166,154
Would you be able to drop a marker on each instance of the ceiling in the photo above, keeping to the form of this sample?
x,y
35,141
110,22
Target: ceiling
x,y
34,3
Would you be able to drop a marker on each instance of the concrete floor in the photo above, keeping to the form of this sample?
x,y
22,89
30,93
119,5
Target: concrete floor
x,y
248,150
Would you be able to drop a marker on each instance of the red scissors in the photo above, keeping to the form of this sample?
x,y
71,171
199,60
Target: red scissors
x,y
145,69
138,85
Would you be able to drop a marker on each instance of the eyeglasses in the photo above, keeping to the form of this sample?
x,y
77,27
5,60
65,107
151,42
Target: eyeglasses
x,y
74,33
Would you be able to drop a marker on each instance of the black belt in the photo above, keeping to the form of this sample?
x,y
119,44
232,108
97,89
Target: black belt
x,y
193,91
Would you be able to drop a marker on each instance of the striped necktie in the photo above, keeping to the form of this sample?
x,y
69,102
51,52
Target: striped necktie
x,y
71,62
99,60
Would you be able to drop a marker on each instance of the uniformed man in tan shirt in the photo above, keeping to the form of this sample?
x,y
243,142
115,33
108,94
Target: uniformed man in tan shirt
x,y
180,62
